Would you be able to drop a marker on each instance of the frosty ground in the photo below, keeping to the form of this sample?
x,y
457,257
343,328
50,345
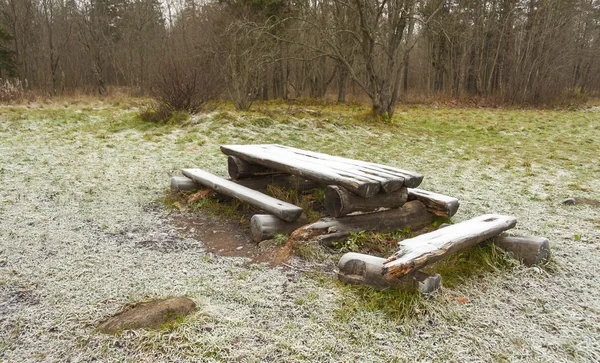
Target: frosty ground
x,y
83,232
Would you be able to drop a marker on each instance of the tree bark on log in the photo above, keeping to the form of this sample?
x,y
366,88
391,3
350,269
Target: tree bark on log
x,y
415,253
339,201
530,250
240,169
281,209
265,226
438,204
305,169
328,230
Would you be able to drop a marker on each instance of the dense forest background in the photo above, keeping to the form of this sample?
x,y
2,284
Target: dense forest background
x,y
512,51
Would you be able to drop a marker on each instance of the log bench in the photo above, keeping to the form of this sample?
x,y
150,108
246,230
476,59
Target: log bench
x,y
359,196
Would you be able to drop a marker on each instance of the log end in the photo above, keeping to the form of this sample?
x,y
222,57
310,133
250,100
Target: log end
x,y
233,167
333,201
392,185
413,181
530,250
452,207
368,189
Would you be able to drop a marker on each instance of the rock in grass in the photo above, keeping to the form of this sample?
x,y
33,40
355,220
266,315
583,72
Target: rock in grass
x,y
149,315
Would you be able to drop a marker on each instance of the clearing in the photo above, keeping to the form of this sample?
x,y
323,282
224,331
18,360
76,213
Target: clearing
x,y
84,231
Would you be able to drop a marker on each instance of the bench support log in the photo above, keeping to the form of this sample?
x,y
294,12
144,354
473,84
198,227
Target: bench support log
x,y
361,269
530,250
265,226
339,201
240,169
183,184
412,215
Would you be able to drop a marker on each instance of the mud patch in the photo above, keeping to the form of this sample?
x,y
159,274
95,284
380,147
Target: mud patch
x,y
587,201
224,238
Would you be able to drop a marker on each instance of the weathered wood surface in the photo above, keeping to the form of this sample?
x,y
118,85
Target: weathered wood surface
x,y
265,226
362,178
240,169
305,169
438,204
411,178
185,184
328,230
388,182
361,269
281,209
415,253
530,250
339,201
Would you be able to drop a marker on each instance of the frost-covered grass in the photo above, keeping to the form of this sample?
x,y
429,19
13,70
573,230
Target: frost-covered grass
x,y
83,232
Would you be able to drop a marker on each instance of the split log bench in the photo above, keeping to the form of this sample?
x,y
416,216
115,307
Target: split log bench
x,y
352,187
359,196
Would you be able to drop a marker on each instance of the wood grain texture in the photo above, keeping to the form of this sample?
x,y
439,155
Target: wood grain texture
x,y
411,179
415,253
339,201
281,209
302,168
360,177
438,204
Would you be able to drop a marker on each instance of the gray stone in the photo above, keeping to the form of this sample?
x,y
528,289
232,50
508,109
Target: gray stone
x,y
149,315
361,269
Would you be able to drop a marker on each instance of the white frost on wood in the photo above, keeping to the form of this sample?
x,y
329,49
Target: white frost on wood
x,y
279,208
360,177
438,204
415,253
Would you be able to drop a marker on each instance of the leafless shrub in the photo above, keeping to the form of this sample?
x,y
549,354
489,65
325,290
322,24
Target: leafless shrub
x,y
182,87
186,87
11,90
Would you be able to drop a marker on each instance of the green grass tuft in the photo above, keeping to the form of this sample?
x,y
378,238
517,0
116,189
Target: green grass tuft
x,y
474,261
400,305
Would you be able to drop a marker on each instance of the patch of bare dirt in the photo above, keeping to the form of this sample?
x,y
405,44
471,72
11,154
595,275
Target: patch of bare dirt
x,y
224,238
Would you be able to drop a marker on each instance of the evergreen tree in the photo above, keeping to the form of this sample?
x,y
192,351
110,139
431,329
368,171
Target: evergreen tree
x,y
8,67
